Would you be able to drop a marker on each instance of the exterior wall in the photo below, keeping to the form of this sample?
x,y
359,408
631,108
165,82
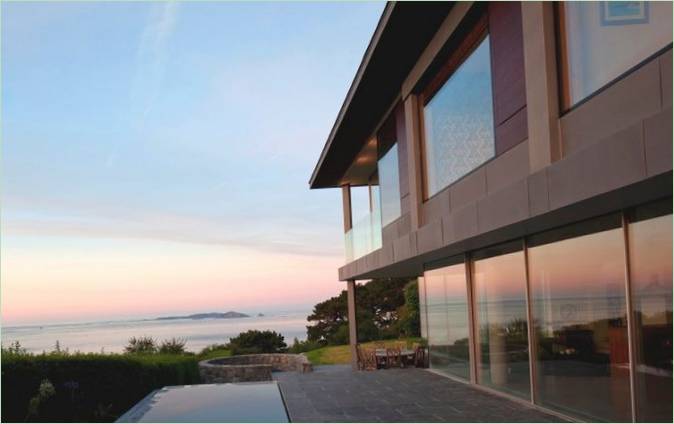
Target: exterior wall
x,y
617,140
602,160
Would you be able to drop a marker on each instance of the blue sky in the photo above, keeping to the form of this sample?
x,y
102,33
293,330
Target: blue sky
x,y
134,129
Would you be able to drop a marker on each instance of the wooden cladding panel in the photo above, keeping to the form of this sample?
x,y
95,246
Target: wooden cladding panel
x,y
507,55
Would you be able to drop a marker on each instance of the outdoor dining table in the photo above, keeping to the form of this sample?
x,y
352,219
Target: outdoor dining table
x,y
405,354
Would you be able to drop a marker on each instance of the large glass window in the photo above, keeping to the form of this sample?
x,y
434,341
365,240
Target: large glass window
x,y
499,284
389,184
602,40
650,250
447,306
579,312
459,122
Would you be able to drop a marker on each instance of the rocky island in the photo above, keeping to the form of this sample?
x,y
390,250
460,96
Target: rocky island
x,y
209,315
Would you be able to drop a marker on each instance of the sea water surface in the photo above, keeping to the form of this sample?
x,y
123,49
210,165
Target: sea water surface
x,y
112,336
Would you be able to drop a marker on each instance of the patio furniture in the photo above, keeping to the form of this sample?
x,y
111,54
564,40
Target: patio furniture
x,y
420,357
360,359
393,358
380,358
369,359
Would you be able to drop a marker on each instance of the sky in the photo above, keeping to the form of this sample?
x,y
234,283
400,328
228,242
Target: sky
x,y
156,156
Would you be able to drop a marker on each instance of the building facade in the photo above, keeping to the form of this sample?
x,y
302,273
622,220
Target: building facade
x,y
516,158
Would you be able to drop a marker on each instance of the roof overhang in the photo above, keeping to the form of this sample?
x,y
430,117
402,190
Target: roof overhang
x,y
403,31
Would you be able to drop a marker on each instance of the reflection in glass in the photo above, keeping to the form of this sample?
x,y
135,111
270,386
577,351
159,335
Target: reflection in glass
x,y
603,40
579,312
501,322
447,309
459,123
651,280
389,183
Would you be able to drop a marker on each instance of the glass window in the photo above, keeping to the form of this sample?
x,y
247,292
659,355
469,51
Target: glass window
x,y
501,323
459,122
602,40
579,312
389,184
651,280
447,308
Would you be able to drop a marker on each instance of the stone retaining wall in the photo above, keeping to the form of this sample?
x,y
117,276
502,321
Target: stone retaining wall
x,y
256,367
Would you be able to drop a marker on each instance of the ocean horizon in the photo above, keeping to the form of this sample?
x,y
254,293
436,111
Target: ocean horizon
x,y
110,336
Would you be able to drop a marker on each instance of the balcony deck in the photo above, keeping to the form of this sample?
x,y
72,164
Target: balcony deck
x,y
337,394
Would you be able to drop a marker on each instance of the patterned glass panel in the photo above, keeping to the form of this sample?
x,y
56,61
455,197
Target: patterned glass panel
x,y
459,123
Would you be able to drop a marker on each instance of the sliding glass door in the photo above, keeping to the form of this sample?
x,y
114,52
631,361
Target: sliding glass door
x,y
499,287
446,294
650,254
579,312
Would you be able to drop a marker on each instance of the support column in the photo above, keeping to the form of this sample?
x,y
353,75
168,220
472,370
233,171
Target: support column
x,y
353,324
540,76
411,108
346,207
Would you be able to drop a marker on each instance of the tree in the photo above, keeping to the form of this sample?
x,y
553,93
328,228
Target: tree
x,y
328,316
378,309
410,320
255,341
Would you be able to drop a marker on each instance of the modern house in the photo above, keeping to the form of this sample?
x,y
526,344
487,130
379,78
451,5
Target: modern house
x,y
516,158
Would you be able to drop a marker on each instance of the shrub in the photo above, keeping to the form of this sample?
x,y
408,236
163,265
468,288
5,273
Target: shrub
x,y
142,345
14,348
304,346
255,341
173,346
86,387
44,393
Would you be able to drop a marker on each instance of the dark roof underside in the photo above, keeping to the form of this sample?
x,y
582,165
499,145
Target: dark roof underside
x,y
403,32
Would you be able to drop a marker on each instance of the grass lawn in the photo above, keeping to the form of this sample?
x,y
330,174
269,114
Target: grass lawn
x,y
331,355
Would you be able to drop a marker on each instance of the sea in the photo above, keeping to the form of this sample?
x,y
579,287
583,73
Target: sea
x,y
112,336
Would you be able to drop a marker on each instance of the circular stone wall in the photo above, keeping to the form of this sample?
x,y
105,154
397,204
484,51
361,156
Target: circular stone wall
x,y
256,367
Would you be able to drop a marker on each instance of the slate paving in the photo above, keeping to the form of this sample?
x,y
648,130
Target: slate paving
x,y
335,393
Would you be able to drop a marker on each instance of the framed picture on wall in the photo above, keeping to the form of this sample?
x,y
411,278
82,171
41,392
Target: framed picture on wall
x,y
623,12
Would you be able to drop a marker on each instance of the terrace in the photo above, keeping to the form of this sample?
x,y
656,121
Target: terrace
x,y
335,393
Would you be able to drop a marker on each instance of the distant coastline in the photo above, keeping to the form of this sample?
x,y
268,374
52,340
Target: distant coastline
x,y
208,315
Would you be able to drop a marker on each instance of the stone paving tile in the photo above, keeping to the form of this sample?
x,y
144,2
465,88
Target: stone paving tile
x,y
337,394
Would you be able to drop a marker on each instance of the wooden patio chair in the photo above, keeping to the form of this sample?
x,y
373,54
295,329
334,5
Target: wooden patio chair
x,y
369,360
360,357
379,360
393,358
419,356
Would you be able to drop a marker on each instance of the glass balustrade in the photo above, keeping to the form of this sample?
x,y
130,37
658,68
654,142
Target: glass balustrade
x,y
364,236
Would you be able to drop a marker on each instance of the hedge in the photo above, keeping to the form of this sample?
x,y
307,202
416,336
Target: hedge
x,y
88,387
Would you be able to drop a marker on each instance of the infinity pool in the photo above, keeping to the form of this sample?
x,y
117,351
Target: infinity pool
x,y
232,402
